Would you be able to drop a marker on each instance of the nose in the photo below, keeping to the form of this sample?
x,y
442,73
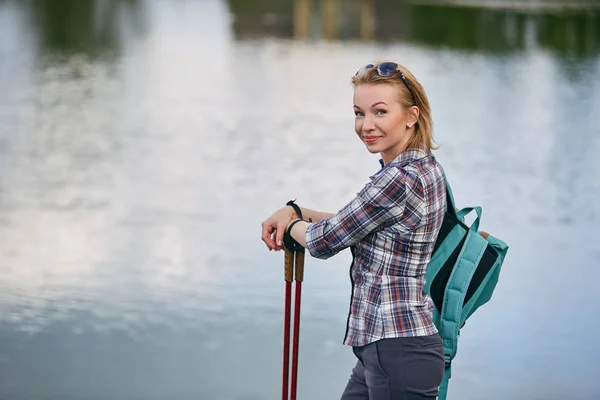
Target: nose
x,y
368,125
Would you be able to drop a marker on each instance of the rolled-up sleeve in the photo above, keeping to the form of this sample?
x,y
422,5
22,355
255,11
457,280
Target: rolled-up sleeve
x,y
381,200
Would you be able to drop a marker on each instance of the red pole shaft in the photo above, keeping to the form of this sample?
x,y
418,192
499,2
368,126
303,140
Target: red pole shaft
x,y
288,276
299,272
286,340
294,384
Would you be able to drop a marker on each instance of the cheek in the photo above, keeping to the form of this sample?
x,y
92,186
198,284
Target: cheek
x,y
357,126
396,124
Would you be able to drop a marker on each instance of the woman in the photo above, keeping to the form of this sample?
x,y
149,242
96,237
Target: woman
x,y
391,227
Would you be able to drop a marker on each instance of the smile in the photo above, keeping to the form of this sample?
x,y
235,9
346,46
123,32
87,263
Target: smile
x,y
372,139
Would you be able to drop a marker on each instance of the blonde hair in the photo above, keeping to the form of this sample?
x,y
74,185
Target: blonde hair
x,y
423,135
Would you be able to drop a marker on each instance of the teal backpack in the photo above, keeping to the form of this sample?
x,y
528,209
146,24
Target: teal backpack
x,y
461,275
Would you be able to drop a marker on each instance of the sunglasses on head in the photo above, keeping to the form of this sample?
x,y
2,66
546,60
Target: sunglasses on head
x,y
388,69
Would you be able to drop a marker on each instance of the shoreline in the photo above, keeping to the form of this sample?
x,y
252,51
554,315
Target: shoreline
x,y
513,5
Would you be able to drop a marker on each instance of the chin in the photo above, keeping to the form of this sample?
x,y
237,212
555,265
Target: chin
x,y
373,149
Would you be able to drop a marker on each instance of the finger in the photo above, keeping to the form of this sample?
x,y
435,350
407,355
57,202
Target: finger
x,y
274,237
268,244
279,237
267,231
276,247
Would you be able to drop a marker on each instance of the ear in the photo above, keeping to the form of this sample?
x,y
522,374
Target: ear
x,y
413,115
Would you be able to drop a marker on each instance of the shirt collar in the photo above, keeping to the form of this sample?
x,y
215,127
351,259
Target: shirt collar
x,y
409,155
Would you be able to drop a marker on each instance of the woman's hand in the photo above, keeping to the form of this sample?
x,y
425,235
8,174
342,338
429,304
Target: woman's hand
x,y
274,227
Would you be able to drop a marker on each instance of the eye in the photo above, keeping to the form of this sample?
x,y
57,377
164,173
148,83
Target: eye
x,y
380,112
359,113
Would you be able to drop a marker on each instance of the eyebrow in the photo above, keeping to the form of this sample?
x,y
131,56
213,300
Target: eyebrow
x,y
381,102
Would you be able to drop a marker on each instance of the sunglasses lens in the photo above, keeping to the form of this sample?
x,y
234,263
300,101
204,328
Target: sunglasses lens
x,y
387,68
363,69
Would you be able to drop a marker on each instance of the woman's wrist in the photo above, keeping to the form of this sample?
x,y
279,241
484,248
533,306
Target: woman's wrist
x,y
291,224
295,207
294,215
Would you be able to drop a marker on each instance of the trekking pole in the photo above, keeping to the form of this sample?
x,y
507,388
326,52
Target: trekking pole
x,y
299,270
288,276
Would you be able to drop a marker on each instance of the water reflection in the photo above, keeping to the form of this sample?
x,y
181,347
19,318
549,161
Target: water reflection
x,y
575,33
132,186
60,183
89,26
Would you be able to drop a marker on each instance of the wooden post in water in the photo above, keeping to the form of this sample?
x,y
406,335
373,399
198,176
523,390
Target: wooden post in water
x,y
330,11
367,20
302,13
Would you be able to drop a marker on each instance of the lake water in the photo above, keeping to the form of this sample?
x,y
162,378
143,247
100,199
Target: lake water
x,y
143,142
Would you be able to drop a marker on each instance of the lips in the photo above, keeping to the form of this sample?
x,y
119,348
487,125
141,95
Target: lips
x,y
371,139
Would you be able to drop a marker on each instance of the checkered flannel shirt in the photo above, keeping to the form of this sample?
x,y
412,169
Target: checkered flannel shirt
x,y
391,227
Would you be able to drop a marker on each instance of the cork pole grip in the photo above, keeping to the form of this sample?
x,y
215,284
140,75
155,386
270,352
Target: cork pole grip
x,y
299,266
289,266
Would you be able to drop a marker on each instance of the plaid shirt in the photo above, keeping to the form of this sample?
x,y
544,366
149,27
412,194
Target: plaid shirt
x,y
391,227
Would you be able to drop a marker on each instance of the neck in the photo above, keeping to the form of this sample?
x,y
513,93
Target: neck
x,y
389,155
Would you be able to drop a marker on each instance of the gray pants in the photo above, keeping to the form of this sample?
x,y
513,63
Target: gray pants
x,y
407,368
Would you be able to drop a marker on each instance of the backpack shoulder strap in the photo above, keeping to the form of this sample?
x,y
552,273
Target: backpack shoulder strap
x,y
456,289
